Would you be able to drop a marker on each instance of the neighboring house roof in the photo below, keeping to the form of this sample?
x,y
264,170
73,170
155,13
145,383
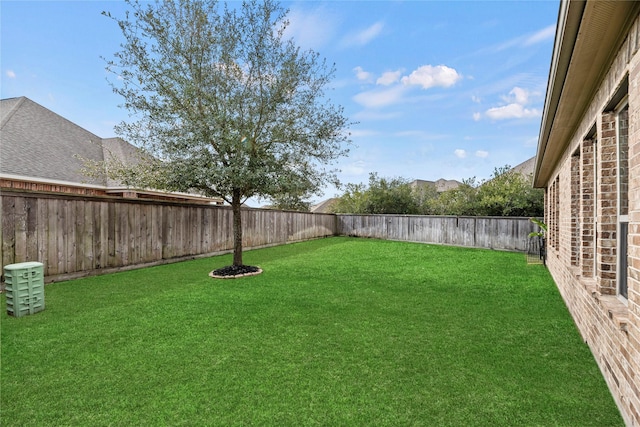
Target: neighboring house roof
x,y
526,168
39,145
325,206
441,184
586,35
118,149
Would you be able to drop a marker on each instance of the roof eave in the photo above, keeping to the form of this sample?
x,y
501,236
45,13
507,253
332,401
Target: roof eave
x,y
588,36
569,17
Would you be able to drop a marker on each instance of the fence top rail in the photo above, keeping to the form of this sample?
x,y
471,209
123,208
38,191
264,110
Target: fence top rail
x,y
19,192
440,216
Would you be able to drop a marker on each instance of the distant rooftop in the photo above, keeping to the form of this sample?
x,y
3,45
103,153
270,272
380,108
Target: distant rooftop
x,y
441,184
527,167
40,146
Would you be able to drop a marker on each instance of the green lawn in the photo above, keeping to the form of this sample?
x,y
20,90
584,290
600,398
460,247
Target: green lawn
x,y
335,332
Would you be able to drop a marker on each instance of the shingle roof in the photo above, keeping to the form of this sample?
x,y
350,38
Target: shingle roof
x,y
324,206
527,167
118,148
440,185
38,143
9,106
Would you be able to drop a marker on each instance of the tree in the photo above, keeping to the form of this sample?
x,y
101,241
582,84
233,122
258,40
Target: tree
x,y
506,193
383,196
354,199
222,104
390,195
291,202
425,197
459,201
509,193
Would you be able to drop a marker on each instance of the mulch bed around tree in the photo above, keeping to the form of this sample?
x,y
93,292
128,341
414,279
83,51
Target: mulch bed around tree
x,y
235,271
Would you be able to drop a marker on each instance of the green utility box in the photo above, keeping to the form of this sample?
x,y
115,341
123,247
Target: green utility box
x,y
24,288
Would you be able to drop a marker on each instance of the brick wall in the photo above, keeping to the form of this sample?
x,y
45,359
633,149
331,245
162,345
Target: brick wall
x,y
607,206
584,210
53,188
575,208
587,214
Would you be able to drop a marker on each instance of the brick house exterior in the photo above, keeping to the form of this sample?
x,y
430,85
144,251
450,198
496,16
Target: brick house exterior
x,y
588,162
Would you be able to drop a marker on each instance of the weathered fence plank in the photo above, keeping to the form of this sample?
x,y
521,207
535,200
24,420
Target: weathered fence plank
x,y
52,238
8,230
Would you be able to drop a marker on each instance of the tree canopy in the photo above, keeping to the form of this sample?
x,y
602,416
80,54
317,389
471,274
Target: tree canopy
x,y
506,193
383,195
222,104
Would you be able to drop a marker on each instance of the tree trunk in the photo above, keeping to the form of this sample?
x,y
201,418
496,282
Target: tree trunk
x,y
237,227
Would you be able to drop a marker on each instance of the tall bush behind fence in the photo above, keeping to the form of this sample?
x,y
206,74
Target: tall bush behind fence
x,y
79,235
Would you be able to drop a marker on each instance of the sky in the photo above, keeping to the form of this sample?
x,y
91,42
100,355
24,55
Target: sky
x,y
435,89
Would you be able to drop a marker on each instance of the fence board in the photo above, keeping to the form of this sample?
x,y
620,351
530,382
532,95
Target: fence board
x,y
60,228
100,233
80,223
31,211
70,235
21,231
8,230
52,238
42,227
111,235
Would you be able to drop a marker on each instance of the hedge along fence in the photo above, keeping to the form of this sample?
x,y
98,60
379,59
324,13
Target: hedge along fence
x,y
75,236
504,233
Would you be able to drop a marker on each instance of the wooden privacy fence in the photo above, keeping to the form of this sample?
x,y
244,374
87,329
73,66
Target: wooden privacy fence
x,y
78,235
478,232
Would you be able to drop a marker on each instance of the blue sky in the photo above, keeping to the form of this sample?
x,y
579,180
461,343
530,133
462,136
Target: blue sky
x,y
440,89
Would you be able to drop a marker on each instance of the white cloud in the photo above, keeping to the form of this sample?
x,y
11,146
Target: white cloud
x,y
477,116
426,76
460,153
370,115
544,34
355,168
389,78
363,75
476,99
515,108
482,154
420,134
547,33
517,96
365,36
360,133
312,28
511,111
429,76
11,74
380,98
